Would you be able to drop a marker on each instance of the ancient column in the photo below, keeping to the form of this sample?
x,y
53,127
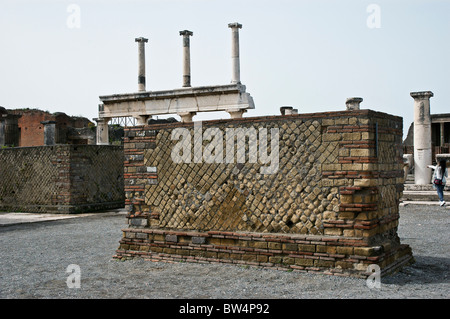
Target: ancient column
x,y
236,70
49,132
422,137
102,131
353,103
186,58
141,63
441,129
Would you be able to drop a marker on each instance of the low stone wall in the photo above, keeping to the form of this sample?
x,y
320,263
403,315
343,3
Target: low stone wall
x,y
330,204
61,178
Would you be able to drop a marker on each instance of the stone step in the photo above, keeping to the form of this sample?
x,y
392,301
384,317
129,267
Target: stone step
x,y
426,203
423,188
423,196
409,179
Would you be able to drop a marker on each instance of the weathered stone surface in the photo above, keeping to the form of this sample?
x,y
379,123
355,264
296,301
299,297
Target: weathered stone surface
x,y
337,184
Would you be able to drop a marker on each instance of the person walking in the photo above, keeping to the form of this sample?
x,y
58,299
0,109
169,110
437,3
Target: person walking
x,y
439,180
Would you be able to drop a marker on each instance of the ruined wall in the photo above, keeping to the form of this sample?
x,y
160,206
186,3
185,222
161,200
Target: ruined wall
x,y
61,178
330,205
32,130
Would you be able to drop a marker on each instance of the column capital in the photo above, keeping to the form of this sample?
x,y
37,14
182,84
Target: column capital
x,y
102,119
235,25
141,39
354,100
422,95
186,33
352,103
186,117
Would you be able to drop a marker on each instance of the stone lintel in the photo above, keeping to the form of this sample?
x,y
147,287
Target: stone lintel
x,y
443,157
435,119
10,116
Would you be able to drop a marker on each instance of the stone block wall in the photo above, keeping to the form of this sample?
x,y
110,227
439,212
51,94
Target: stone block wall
x,y
61,178
330,206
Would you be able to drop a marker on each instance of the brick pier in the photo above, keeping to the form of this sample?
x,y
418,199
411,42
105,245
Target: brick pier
x,y
330,207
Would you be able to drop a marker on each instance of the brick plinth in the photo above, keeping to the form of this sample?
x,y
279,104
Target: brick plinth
x,y
334,194
331,255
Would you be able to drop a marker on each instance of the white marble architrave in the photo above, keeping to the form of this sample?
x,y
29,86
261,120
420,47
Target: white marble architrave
x,y
230,98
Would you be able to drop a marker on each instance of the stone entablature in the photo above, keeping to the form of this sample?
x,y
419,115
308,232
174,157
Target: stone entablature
x,y
184,101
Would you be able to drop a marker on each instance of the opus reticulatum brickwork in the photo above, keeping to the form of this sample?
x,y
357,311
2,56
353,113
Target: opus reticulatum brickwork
x,y
330,205
61,178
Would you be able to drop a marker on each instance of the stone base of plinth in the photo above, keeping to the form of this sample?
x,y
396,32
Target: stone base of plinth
x,y
341,256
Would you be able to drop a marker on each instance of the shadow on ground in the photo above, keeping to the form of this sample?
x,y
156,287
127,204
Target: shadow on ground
x,y
425,270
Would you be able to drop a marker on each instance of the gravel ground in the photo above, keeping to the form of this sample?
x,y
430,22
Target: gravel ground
x,y
35,256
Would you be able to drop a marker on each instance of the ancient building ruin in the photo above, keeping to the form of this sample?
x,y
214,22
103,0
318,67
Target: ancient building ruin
x,y
61,178
309,192
49,163
33,127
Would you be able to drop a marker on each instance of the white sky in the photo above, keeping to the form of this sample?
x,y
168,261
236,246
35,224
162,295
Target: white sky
x,y
310,54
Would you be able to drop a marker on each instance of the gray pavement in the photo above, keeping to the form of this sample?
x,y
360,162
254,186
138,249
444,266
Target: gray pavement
x,y
38,254
10,219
